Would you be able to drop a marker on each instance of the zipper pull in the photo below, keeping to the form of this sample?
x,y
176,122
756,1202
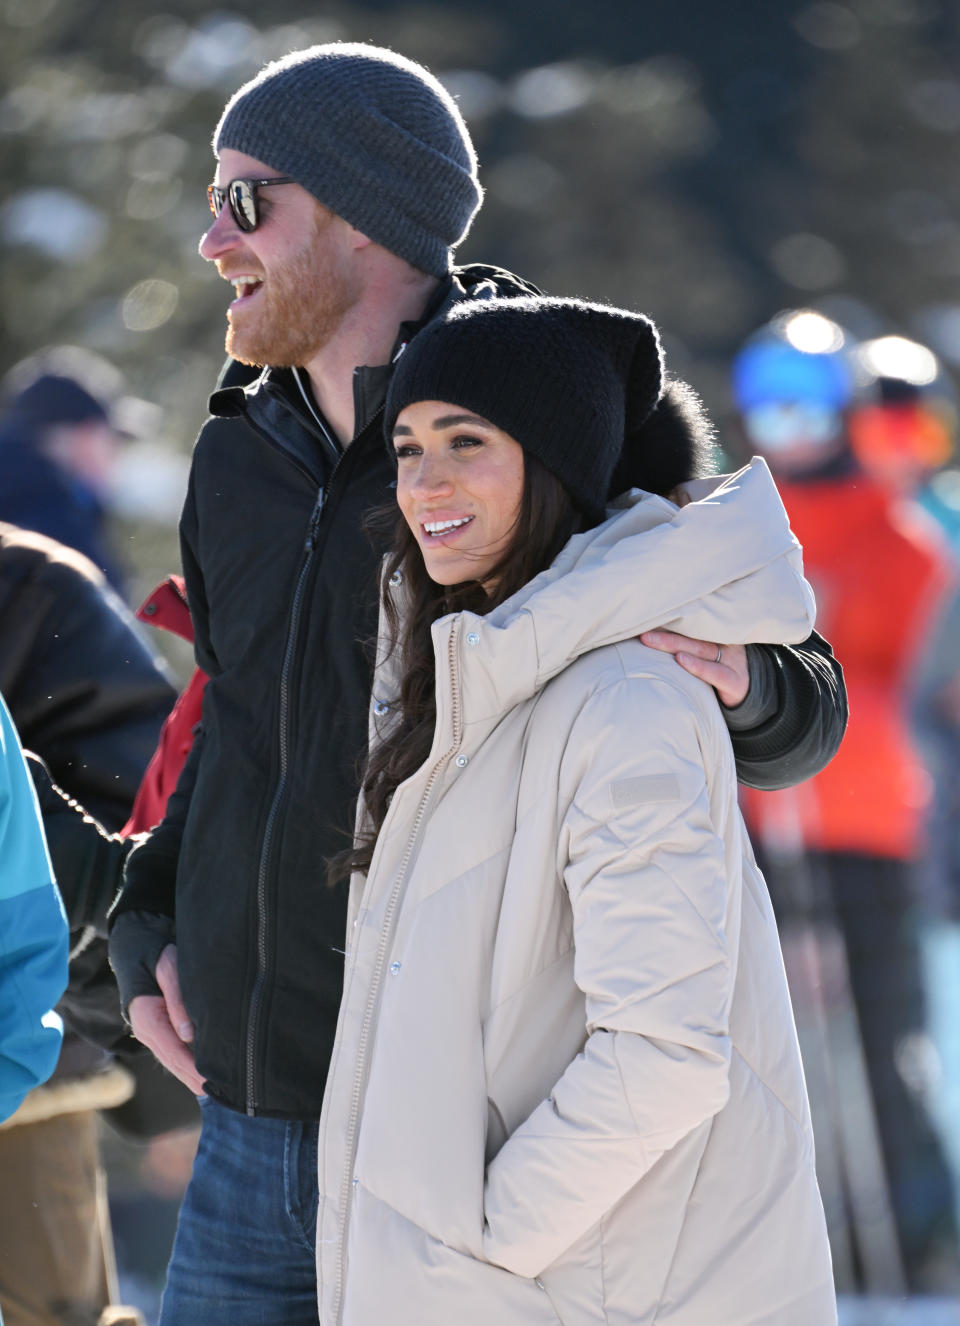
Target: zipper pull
x,y
314,525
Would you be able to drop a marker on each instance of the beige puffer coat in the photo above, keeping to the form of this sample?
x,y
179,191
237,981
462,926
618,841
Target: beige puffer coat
x,y
566,1084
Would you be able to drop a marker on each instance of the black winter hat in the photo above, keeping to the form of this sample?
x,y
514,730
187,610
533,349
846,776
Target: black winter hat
x,y
568,380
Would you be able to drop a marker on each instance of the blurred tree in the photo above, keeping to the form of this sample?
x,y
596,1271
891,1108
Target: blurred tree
x,y
709,163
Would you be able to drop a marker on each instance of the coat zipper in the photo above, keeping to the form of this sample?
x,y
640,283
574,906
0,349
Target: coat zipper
x,y
373,997
334,450
283,723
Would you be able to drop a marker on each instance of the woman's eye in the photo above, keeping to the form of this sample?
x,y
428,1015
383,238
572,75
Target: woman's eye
x,y
466,441
402,452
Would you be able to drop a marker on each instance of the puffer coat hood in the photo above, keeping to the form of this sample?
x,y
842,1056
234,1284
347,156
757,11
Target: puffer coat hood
x,y
566,1084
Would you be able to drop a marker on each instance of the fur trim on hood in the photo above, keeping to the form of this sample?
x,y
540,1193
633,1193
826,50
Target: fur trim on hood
x,y
673,445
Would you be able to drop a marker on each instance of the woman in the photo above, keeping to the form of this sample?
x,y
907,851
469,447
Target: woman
x,y
566,1085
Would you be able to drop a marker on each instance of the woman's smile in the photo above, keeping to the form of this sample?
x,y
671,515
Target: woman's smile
x,y
444,527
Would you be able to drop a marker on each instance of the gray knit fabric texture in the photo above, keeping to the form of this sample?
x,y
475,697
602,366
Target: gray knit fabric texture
x,y
372,135
568,380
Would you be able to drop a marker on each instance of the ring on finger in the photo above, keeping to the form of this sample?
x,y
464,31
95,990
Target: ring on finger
x,y
719,654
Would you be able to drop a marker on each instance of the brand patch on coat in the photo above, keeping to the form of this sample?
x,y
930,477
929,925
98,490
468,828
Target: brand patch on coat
x,y
645,787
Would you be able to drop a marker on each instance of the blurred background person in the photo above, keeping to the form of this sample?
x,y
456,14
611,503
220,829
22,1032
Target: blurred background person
x,y
33,933
61,428
844,847
903,429
902,419
89,697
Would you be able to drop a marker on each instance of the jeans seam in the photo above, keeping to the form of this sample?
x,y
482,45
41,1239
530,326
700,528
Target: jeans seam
x,y
295,1209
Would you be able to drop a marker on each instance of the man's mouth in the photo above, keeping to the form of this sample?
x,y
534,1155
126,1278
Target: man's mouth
x,y
246,287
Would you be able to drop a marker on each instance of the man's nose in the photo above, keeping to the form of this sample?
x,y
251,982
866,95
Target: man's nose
x,y
222,235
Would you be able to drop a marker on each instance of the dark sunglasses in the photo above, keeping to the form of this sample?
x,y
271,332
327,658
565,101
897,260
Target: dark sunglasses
x,y
242,198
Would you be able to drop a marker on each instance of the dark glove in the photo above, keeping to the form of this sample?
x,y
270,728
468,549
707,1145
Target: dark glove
x,y
761,700
136,942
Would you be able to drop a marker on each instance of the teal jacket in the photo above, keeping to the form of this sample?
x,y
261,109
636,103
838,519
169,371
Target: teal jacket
x,y
33,933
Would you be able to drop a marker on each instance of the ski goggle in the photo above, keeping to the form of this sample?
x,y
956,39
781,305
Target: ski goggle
x,y
241,196
776,427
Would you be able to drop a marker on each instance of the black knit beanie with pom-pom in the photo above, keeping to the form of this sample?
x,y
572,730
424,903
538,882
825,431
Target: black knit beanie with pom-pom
x,y
578,385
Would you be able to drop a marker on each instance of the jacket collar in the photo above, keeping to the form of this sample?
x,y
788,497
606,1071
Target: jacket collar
x,y
167,607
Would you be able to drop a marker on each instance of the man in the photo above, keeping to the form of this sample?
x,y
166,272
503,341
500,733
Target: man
x,y
345,179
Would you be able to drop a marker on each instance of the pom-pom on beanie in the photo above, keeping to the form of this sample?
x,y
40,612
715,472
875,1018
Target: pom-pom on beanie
x,y
372,135
568,380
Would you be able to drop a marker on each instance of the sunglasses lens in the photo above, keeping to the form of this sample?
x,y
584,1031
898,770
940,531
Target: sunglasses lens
x,y
214,199
243,203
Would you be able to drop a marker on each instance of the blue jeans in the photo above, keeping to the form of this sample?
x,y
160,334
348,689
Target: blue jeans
x,y
244,1253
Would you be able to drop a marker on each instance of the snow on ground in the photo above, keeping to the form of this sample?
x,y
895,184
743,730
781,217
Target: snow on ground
x,y
899,1312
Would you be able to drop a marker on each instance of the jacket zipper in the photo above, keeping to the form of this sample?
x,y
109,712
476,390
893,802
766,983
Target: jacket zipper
x,y
283,723
373,997
334,450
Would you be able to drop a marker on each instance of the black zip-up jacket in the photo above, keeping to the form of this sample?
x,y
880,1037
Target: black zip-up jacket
x,y
281,575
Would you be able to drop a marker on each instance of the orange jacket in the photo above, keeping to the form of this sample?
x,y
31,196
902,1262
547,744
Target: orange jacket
x,y
880,572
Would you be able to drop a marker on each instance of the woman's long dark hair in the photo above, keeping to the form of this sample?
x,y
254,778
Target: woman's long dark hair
x,y
546,520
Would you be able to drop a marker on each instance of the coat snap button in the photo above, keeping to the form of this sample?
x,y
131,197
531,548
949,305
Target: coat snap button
x,y
396,579
380,708
462,761
394,968
473,638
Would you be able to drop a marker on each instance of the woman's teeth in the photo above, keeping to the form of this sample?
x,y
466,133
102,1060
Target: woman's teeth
x,y
445,526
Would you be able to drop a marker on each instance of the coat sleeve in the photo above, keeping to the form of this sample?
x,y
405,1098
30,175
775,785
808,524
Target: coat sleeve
x,y
86,691
87,861
807,718
150,873
647,882
33,934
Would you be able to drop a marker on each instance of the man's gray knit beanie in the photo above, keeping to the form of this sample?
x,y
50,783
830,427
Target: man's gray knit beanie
x,y
373,136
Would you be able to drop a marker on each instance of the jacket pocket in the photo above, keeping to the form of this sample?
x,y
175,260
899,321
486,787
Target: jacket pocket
x,y
574,1283
398,1273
